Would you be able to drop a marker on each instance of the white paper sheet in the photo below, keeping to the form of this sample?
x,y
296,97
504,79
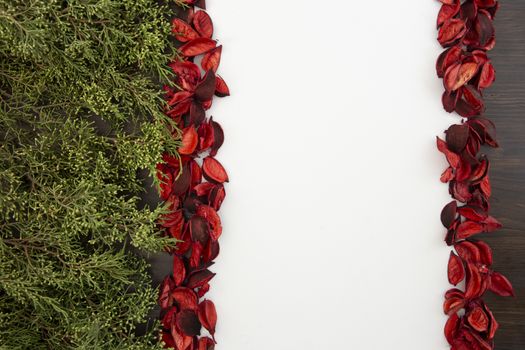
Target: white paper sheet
x,y
332,237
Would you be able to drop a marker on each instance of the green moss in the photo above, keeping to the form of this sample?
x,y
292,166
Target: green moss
x,y
80,116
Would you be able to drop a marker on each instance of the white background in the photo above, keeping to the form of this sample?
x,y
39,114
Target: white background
x,y
332,237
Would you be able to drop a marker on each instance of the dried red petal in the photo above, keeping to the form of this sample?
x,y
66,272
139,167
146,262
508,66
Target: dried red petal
x,y
208,315
487,76
185,298
182,183
447,59
218,137
188,323
459,74
200,278
179,270
448,214
451,31
478,319
447,175
474,282
190,140
206,87
500,285
484,28
196,254
199,229
168,340
471,103
169,318
212,59
451,328
213,220
469,228
183,31
214,171
457,137
203,24
468,251
206,343
197,47
165,291
456,270
221,89
473,213
447,12
182,341
452,158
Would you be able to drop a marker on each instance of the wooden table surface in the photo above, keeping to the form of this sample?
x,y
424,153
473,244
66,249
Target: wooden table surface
x,y
506,107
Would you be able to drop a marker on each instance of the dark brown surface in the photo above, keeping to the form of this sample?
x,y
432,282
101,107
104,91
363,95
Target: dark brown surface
x,y
506,107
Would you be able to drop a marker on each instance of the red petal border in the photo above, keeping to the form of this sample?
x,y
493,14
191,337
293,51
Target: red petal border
x,y
192,185
466,30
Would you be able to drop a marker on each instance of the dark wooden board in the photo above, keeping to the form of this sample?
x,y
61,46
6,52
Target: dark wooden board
x,y
506,107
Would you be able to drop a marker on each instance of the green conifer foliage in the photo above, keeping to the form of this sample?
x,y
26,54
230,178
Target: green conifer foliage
x,y
80,116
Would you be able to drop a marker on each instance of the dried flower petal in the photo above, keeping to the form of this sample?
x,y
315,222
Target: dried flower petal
x,y
179,270
197,47
185,298
448,214
478,319
212,59
208,315
206,87
188,322
214,171
213,220
457,137
190,140
203,24
451,31
456,270
183,31
221,89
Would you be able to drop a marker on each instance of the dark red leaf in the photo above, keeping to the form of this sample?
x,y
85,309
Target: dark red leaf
x,y
452,158
212,59
221,89
208,315
185,298
457,137
197,47
190,140
447,12
448,214
188,322
183,31
203,24
200,278
179,270
199,229
451,31
213,220
218,137
474,283
206,87
456,270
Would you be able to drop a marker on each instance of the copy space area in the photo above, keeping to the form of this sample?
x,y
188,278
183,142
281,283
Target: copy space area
x,y
332,238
